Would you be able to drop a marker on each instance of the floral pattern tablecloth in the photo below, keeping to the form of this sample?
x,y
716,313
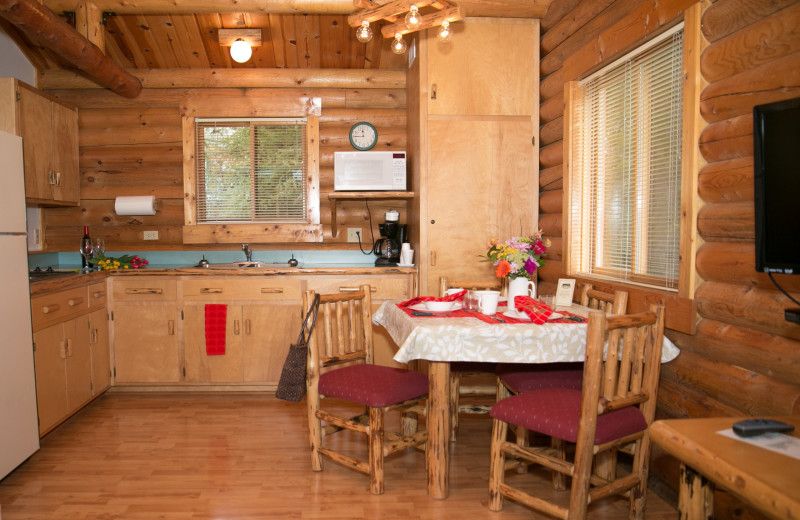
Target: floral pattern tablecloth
x,y
470,339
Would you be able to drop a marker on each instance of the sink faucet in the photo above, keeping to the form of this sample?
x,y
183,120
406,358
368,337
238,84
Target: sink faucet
x,y
248,253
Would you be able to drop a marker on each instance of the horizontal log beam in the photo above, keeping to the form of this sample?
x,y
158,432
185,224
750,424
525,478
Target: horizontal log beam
x,y
239,78
727,181
43,27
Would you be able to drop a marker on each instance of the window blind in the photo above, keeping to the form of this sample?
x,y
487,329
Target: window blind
x,y
625,180
251,170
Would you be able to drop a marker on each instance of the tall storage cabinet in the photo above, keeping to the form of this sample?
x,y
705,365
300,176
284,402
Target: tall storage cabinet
x,y
473,116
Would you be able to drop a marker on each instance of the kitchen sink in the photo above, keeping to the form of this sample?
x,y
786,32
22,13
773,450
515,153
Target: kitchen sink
x,y
239,265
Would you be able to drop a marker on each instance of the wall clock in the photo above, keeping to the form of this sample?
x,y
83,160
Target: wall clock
x,y
363,136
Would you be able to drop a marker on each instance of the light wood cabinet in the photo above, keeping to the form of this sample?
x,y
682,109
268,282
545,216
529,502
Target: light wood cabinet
x,y
49,131
145,320
473,134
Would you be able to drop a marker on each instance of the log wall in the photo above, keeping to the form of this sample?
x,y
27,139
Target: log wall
x,y
133,147
744,358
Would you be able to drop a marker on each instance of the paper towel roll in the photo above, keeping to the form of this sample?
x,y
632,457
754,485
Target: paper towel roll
x,y
144,205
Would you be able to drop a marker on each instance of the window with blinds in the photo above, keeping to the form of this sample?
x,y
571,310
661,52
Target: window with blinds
x,y
251,170
625,167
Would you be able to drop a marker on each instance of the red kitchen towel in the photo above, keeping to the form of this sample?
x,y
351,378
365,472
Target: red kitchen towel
x,y
538,312
215,329
419,299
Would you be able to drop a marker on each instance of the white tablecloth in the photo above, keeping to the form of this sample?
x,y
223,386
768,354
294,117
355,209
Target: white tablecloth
x,y
470,339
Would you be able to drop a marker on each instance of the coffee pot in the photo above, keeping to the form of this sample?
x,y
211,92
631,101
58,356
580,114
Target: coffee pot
x,y
387,248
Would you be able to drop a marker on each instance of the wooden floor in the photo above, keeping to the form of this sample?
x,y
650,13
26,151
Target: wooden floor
x,y
230,456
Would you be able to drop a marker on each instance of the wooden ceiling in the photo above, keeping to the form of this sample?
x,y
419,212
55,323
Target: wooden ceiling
x,y
176,34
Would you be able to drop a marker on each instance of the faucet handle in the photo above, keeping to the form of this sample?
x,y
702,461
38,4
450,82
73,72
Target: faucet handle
x,y
245,247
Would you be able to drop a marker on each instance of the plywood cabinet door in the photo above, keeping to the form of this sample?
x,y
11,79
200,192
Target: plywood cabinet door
x,y
268,332
146,343
78,362
65,154
202,367
100,351
51,376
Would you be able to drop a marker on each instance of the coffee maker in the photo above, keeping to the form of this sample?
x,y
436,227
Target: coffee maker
x,y
393,234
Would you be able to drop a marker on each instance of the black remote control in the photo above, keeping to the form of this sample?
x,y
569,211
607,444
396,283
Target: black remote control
x,y
753,427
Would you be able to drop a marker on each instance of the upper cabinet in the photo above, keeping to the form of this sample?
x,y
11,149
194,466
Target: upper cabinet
x,y
49,131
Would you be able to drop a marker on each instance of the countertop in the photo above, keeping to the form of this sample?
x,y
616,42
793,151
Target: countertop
x,y
80,279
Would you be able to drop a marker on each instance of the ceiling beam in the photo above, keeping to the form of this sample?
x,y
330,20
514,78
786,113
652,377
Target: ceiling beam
x,y
48,30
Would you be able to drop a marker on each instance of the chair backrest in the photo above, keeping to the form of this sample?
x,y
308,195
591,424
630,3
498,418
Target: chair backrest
x,y
630,371
343,331
614,302
445,283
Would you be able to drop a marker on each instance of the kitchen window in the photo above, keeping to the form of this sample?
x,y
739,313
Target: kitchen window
x,y
625,187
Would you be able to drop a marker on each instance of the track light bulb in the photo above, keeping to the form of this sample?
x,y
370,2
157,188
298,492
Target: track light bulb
x,y
413,19
445,34
399,45
241,51
364,33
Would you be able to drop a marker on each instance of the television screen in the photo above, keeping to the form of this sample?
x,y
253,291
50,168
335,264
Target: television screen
x,y
776,134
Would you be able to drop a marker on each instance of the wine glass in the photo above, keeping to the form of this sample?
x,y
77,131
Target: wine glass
x,y
98,248
86,250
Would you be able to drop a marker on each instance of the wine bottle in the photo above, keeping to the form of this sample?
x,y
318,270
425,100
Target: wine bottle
x,y
85,263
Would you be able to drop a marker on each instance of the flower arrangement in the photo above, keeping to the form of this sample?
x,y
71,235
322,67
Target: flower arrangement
x,y
108,263
518,257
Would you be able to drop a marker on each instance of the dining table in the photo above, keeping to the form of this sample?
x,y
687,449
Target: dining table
x,y
447,337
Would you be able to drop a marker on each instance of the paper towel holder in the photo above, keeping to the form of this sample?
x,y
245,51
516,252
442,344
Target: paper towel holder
x,y
136,205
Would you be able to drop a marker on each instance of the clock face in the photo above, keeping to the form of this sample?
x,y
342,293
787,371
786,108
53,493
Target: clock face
x,y
363,136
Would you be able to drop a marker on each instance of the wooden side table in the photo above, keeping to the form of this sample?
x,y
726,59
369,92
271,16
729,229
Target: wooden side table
x,y
767,480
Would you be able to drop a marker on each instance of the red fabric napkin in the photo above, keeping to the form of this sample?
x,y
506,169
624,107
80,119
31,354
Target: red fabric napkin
x,y
538,312
419,299
216,315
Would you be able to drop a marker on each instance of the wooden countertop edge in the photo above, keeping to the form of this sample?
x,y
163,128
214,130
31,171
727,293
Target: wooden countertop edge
x,y
79,280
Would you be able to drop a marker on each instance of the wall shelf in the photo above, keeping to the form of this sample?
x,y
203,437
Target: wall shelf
x,y
337,196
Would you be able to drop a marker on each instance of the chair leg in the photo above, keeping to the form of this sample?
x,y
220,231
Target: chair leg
x,y
559,479
581,478
641,466
455,387
605,464
497,462
314,429
376,440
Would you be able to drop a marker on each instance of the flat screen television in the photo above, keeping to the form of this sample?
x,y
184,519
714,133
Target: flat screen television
x,y
776,135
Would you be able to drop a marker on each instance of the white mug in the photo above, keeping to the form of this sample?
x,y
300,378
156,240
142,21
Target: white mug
x,y
487,301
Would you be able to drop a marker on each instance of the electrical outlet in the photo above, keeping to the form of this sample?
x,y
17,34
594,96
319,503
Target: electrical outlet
x,y
352,236
151,235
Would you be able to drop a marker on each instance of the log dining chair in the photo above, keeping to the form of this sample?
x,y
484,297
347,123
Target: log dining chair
x,y
461,371
340,365
615,406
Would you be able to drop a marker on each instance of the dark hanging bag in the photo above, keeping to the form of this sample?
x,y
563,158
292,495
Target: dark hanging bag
x,y
292,385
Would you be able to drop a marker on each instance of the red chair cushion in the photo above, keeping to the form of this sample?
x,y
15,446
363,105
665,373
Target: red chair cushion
x,y
373,385
522,378
556,412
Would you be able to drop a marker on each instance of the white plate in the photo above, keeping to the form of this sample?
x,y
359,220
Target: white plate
x,y
405,265
522,316
422,308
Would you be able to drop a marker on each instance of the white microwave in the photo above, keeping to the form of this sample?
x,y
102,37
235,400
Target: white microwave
x,y
369,171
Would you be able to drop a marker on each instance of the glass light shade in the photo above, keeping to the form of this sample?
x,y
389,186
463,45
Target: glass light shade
x,y
413,19
364,33
399,45
445,34
241,51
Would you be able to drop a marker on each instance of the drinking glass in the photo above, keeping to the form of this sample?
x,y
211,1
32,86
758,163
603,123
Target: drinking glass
x,y
86,250
98,248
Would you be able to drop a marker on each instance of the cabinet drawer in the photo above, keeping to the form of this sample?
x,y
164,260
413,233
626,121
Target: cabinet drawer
x,y
54,308
384,287
98,295
144,289
242,288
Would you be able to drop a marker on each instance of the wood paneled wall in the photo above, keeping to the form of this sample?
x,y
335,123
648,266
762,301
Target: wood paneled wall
x,y
133,147
744,358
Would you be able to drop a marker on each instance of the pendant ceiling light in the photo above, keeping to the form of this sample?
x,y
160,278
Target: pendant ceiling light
x,y
241,42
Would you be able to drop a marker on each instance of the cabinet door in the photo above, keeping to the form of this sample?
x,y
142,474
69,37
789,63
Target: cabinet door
x,y
146,343
65,154
78,362
202,368
101,352
51,376
481,181
268,332
35,127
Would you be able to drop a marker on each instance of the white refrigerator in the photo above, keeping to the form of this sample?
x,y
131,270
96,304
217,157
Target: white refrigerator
x,y
19,428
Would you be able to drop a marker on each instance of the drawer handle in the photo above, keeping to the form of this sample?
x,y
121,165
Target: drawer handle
x,y
210,290
93,337
144,290
75,301
236,327
98,294
47,309
272,290
372,288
